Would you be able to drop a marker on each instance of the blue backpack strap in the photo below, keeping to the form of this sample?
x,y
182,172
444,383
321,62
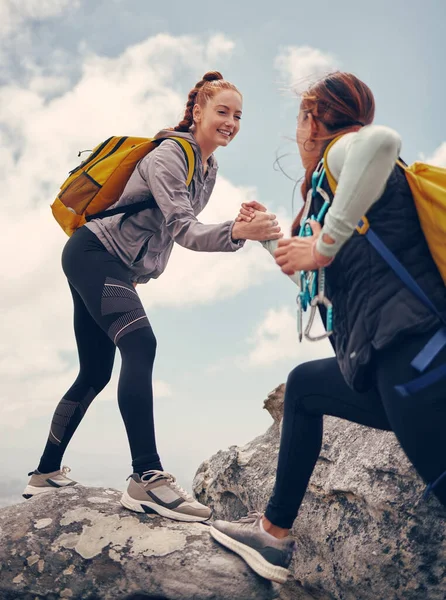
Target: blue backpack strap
x,y
432,486
437,342
398,268
430,351
420,383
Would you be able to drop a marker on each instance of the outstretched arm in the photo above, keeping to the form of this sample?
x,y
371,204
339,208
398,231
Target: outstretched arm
x,y
166,170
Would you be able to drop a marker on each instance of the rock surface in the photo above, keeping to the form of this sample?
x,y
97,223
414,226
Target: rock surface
x,y
363,531
80,543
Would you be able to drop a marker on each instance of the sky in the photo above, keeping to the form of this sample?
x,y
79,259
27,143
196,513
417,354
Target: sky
x,y
74,72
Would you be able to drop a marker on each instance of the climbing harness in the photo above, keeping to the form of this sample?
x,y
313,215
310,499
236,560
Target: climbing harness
x,y
312,283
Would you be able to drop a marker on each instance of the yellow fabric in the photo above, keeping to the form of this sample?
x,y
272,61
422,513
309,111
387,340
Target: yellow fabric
x,y
331,180
98,181
428,186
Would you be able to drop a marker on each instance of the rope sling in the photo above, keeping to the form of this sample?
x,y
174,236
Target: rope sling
x,y
312,283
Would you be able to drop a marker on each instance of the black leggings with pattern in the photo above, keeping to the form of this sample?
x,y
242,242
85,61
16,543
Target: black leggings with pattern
x,y
107,313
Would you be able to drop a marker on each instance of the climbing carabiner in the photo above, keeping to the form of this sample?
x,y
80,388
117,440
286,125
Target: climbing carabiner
x,y
313,308
299,316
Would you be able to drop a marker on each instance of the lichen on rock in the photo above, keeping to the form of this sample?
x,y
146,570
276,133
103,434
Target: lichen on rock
x,y
101,551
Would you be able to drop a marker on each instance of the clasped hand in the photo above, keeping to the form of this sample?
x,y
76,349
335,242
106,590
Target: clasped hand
x,y
292,254
297,253
254,223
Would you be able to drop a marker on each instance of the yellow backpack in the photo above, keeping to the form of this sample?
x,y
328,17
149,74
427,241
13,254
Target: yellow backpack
x,y
428,186
98,181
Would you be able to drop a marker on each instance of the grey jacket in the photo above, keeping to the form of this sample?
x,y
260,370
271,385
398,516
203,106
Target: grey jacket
x,y
144,241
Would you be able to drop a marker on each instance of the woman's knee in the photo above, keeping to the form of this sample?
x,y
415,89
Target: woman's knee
x,y
88,384
101,381
300,386
140,343
301,378
96,379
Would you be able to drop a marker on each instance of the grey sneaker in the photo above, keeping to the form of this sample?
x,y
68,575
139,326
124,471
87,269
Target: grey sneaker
x,y
268,557
42,483
157,491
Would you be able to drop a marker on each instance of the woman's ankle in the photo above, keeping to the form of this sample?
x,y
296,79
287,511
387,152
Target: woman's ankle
x,y
274,530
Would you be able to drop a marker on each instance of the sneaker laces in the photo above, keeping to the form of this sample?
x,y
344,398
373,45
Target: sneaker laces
x,y
251,517
65,470
155,475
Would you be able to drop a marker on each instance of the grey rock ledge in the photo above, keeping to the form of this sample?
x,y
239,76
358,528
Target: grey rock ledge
x,y
363,532
80,543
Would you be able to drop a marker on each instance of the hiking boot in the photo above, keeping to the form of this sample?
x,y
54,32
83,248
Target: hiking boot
x,y
157,491
41,483
267,556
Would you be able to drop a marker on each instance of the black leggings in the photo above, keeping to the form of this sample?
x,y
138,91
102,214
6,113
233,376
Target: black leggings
x,y
318,388
107,313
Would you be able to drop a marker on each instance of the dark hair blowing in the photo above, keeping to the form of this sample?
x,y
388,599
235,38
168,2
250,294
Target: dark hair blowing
x,y
211,83
342,103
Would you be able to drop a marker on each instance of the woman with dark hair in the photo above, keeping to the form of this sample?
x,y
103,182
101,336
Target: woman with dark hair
x,y
105,259
378,328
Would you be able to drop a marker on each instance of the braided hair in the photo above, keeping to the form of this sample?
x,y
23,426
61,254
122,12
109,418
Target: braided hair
x,y
211,83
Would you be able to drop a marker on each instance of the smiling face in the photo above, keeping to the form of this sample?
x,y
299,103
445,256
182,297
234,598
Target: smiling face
x,y
218,122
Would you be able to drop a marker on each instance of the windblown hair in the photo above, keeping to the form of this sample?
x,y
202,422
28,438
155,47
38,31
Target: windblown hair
x,y
211,83
342,103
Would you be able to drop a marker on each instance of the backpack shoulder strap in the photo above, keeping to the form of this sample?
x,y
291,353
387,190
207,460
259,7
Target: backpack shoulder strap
x,y
331,180
150,203
188,153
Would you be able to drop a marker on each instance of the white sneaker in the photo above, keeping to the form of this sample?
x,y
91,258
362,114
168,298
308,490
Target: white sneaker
x,y
42,483
157,491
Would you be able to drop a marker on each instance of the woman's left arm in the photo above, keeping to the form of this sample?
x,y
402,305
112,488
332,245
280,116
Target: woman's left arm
x,y
361,162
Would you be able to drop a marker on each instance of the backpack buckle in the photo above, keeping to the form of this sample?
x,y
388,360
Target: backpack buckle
x,y
363,226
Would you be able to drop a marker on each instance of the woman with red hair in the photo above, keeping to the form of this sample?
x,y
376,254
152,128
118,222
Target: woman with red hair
x,y
104,261
378,325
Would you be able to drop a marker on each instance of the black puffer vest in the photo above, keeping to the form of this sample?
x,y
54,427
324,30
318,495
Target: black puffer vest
x,y
372,307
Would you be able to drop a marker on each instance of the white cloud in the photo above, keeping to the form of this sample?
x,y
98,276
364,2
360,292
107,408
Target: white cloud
x,y
438,158
218,45
275,339
194,278
300,66
15,13
161,389
39,139
132,93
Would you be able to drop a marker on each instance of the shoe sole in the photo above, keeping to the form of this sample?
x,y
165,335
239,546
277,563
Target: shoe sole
x,y
140,506
32,490
253,558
